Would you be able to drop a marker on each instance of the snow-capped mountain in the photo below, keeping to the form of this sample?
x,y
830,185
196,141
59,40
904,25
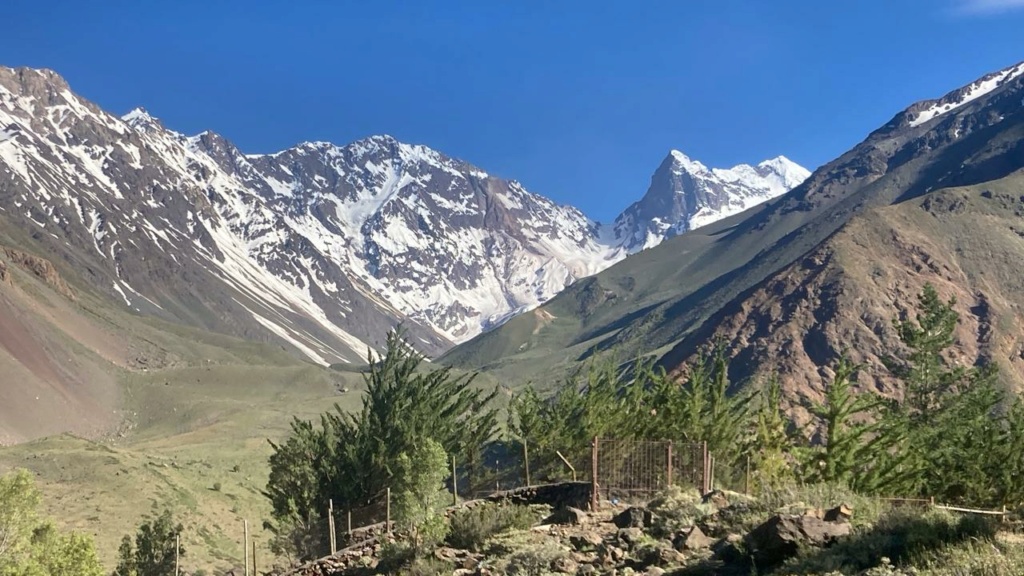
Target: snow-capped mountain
x,y
441,240
685,194
323,247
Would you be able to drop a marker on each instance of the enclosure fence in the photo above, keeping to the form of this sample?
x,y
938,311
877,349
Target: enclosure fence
x,y
623,469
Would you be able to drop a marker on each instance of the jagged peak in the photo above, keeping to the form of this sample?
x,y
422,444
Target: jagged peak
x,y
140,118
681,160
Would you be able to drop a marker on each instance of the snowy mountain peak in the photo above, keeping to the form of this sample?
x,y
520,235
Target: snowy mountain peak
x,y
139,118
684,162
685,194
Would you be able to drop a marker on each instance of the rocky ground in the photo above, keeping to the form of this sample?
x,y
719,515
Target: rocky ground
x,y
676,533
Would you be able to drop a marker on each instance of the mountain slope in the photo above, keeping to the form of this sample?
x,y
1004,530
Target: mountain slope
x,y
673,298
320,247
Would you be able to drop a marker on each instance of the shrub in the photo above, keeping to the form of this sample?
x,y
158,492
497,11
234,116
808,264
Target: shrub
x,y
534,561
471,527
427,567
394,556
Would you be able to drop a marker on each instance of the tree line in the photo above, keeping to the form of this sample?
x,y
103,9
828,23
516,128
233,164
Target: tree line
x,y
955,434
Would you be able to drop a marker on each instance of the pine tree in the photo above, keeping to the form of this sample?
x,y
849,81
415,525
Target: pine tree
x,y
770,442
948,415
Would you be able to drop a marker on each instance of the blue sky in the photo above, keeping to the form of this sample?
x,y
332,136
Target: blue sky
x,y
580,101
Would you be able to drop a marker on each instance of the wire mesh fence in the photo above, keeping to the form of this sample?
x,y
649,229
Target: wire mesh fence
x,y
625,469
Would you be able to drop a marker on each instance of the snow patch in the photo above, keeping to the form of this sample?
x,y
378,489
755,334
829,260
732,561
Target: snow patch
x,y
971,93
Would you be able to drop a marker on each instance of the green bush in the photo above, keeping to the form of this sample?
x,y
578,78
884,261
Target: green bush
x,y
427,567
394,556
471,527
31,545
534,561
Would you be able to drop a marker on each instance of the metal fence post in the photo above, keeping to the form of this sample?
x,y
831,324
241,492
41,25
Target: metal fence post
x,y
330,527
245,544
594,497
668,467
455,484
388,511
705,481
526,462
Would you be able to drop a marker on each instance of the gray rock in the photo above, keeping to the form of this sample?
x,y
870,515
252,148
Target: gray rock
x,y
586,540
692,538
841,513
634,517
567,515
781,537
565,565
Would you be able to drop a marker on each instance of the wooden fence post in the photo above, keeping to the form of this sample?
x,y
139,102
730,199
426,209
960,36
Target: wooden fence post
x,y
254,572
594,496
668,466
567,464
526,462
388,511
349,522
331,538
455,484
245,544
177,552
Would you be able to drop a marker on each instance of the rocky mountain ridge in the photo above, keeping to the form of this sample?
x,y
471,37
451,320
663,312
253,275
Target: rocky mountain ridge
x,y
320,246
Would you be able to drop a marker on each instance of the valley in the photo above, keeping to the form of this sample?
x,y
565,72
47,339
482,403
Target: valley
x,y
169,303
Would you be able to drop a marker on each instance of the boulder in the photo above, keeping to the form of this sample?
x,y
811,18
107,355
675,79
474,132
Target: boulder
x,y
634,517
565,565
841,513
692,538
668,557
629,537
728,549
781,536
567,515
717,498
585,540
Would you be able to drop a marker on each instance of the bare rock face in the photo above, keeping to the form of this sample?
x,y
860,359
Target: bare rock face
x,y
40,267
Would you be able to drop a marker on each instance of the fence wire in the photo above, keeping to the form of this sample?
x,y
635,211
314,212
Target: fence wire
x,y
633,468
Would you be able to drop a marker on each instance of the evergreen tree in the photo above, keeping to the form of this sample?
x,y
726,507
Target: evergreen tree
x,y
770,442
153,553
948,417
353,457
421,496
